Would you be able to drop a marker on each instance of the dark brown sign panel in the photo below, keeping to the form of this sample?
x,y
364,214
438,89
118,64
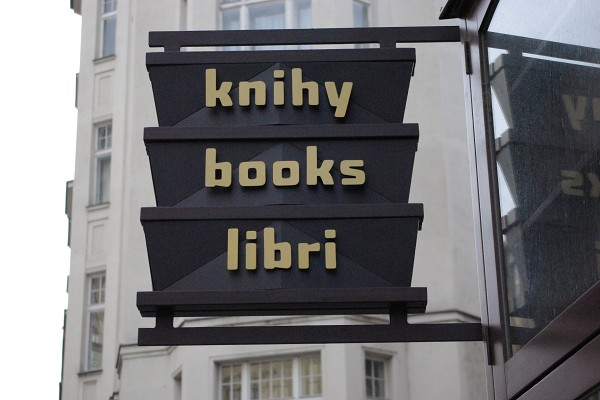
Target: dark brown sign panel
x,y
233,249
282,179
266,165
280,87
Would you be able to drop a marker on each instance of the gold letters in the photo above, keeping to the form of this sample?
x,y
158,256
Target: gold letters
x,y
575,106
278,255
212,93
337,100
285,173
573,183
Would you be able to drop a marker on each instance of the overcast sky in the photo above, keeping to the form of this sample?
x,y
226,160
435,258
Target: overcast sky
x,y
40,57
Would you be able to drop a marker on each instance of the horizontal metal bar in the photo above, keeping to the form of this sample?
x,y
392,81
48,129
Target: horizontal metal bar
x,y
284,301
540,47
459,332
285,212
407,55
386,37
283,132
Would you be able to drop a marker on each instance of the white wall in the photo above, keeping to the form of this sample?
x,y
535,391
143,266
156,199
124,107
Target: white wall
x,y
445,261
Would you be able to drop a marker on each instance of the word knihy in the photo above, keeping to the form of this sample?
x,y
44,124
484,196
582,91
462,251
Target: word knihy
x,y
338,100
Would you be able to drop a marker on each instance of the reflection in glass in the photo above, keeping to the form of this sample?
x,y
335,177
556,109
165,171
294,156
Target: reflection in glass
x,y
595,395
545,108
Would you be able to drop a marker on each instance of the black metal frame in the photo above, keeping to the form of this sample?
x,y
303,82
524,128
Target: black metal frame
x,y
385,37
398,330
561,352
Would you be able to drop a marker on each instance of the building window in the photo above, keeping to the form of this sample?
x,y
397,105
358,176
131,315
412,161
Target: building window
x,y
95,331
360,13
375,378
284,378
103,145
257,14
108,27
310,375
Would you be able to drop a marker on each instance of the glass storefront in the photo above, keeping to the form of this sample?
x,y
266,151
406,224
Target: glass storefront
x,y
543,61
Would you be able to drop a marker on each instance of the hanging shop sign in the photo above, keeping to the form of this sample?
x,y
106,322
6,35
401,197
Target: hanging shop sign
x,y
282,180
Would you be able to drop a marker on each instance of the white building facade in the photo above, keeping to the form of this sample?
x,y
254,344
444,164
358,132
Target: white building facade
x,y
112,182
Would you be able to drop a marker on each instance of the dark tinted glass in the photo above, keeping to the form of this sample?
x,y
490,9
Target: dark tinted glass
x,y
544,71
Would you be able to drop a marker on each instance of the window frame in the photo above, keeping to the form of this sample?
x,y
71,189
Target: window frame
x,y
538,365
244,11
384,360
101,155
103,17
91,309
367,5
246,378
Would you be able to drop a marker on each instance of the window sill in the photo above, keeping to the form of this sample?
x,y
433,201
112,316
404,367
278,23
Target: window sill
x,y
104,59
90,372
100,206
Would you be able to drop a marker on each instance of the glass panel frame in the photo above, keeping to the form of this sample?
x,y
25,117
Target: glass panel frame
x,y
510,378
549,255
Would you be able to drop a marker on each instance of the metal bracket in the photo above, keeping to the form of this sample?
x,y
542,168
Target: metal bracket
x,y
396,302
385,37
398,330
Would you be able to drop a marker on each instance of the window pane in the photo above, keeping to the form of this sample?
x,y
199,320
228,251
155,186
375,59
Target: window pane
x,y
231,19
318,387
375,378
303,14
276,369
311,376
97,289
254,391
104,137
361,14
378,369
267,16
254,371
225,374
109,30
265,372
287,388
103,180
109,6
544,78
265,390
225,393
276,390
101,142
369,388
237,392
271,380
287,369
95,340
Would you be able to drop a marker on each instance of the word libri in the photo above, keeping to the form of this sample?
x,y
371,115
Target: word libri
x,y
277,255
